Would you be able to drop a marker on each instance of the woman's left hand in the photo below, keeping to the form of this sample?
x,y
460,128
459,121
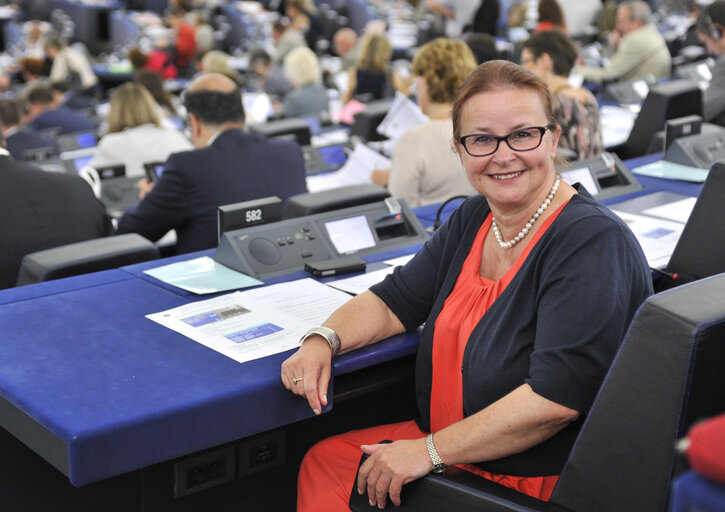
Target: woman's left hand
x,y
389,467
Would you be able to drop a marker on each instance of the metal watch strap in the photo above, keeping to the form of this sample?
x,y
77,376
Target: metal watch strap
x,y
330,336
438,465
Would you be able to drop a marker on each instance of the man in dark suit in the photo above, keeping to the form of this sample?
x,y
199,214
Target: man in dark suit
x,y
228,166
45,114
20,139
41,210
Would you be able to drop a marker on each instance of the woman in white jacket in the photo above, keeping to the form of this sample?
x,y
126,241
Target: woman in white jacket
x,y
135,135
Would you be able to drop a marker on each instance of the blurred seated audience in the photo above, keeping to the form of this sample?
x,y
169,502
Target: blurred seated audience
x,y
344,44
216,61
308,96
18,138
550,16
44,114
551,56
31,69
482,45
63,95
203,32
579,15
286,38
135,135
42,210
711,29
368,79
228,166
640,51
305,19
137,58
185,40
272,78
70,65
485,21
426,169
154,84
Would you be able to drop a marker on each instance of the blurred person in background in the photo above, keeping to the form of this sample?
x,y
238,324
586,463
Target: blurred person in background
x,y
426,169
551,55
70,65
135,134
344,44
18,138
550,16
153,83
368,79
217,61
308,96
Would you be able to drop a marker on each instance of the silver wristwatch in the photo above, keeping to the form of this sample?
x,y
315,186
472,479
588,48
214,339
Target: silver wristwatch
x,y
330,336
438,464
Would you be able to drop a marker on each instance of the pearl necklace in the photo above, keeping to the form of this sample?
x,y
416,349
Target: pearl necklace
x,y
525,231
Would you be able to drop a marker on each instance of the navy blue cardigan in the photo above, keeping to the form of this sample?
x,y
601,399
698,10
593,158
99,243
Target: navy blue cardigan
x,y
556,326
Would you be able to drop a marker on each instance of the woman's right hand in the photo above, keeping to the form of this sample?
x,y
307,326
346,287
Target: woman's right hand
x,y
307,372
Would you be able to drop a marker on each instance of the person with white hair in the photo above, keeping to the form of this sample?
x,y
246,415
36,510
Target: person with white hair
x,y
308,97
640,49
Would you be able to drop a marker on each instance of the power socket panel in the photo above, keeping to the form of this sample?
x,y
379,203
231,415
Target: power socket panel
x,y
262,453
203,471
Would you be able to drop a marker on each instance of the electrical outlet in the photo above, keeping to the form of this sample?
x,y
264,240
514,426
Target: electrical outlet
x,y
262,453
201,472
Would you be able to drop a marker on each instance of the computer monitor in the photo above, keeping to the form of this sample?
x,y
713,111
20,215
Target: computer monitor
x,y
670,100
77,140
74,161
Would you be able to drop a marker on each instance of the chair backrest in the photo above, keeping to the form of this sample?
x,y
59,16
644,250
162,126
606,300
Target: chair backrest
x,y
333,199
83,257
667,374
670,100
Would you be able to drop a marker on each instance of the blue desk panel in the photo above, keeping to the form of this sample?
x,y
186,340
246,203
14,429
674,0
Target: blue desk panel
x,y
124,392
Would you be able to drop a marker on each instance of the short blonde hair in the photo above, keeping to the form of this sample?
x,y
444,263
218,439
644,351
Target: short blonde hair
x,y
302,67
444,64
131,105
215,61
375,52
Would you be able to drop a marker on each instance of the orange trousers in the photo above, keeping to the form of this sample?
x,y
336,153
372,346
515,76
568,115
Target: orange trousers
x,y
328,471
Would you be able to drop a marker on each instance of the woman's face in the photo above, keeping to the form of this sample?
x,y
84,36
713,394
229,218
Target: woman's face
x,y
509,179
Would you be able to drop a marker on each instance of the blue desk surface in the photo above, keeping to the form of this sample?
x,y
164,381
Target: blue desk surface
x,y
122,392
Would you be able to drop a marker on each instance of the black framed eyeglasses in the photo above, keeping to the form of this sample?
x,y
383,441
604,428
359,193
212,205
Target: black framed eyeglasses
x,y
523,139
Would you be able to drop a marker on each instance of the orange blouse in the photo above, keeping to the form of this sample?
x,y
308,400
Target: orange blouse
x,y
471,297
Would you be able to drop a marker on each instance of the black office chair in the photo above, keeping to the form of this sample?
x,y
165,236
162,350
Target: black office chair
x,y
667,374
84,257
333,199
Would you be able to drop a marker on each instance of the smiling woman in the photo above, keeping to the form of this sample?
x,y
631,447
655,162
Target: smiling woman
x,y
520,329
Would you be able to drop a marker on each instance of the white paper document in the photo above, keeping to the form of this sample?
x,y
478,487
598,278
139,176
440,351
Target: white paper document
x,y
358,168
403,115
679,211
358,284
657,237
617,123
255,323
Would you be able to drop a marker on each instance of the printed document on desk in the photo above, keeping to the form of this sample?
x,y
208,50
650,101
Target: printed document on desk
x,y
658,237
358,168
402,116
255,323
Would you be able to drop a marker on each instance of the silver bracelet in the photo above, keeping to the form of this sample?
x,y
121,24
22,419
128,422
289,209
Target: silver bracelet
x,y
330,336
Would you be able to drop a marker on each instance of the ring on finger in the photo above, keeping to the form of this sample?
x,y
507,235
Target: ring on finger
x,y
295,380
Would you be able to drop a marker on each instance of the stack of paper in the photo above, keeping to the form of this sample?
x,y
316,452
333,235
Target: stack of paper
x,y
358,168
